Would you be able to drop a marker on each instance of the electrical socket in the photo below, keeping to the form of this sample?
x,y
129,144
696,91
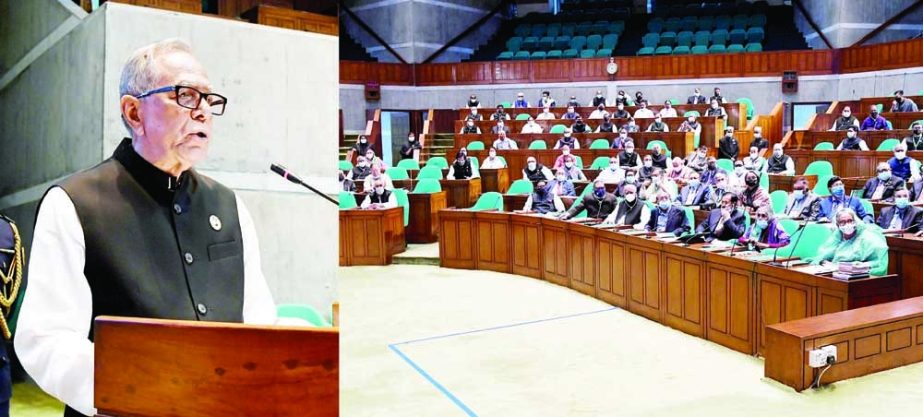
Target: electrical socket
x,y
818,358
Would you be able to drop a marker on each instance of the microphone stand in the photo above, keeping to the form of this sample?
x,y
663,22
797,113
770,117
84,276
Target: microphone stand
x,y
282,171
789,261
776,254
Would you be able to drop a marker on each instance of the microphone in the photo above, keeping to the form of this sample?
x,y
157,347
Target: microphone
x,y
776,254
688,239
789,261
285,173
733,245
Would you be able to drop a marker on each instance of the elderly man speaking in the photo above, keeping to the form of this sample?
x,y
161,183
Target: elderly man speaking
x,y
142,234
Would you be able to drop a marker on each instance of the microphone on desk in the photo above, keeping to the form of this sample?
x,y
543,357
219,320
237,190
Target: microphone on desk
x,y
688,239
285,173
776,255
789,261
733,245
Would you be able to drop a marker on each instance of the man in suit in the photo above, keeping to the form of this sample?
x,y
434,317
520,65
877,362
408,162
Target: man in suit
x,y
667,217
725,222
882,187
697,98
599,204
828,206
694,193
901,216
728,148
802,202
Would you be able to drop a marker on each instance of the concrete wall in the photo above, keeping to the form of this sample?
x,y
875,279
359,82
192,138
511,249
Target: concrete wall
x,y
61,115
846,21
24,26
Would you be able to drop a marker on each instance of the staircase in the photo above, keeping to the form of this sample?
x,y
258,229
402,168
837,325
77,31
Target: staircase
x,y
781,32
349,140
437,144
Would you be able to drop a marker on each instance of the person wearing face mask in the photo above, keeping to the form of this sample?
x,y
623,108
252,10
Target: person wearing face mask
x,y
698,160
658,125
694,193
570,114
715,110
779,163
759,141
470,128
631,126
543,200
852,142
667,217
579,126
500,127
362,145
845,121
606,126
902,104
631,178
599,99
696,97
882,186
667,110
754,162
379,197
598,204
612,174
504,143
901,217
374,160
546,114
622,98
659,182
563,183
838,199
658,157
407,149
568,140
691,124
875,121
753,196
546,100
711,171
717,97
531,127
900,164
736,178
802,202
473,102
628,158
493,161
500,114
643,112
565,154
377,175
521,102
358,173
725,222
535,171
647,168
639,97
599,112
631,211
678,170
854,241
728,148
571,171
718,189
474,115
573,102
461,169
914,142
620,140
766,231
620,112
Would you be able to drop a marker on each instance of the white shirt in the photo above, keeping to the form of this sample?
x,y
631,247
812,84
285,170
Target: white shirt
x,y
545,116
598,114
644,113
609,176
368,182
532,128
645,217
665,112
391,203
56,313
495,163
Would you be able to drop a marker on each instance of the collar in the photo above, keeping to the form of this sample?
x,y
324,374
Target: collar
x,y
158,184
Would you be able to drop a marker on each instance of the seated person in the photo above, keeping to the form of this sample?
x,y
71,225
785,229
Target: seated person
x,y
902,104
504,143
470,128
379,198
647,168
631,126
631,178
728,148
900,164
612,174
573,101
717,97
715,110
500,114
698,160
543,201
473,101
882,187
694,193
766,232
606,126
546,114
622,98
599,204
492,161
620,112
852,142
736,178
667,110
535,171
854,241
567,140
599,99
658,125
571,170
500,127
725,222
901,217
697,97
875,121
559,161
521,102
658,157
667,217
546,100
631,211
377,175
845,121
916,191
758,140
711,171
579,126
628,158
779,163
571,114
358,174
643,112
659,182
561,185
362,145
754,162
473,115
914,142
690,125
411,145
599,113
718,189
374,160
802,202
838,199
531,127
619,141
753,196
461,169
678,171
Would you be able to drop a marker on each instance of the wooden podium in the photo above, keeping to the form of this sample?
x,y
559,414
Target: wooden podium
x,y
149,367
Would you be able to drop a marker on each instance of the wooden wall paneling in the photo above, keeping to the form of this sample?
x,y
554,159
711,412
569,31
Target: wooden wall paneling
x,y
898,54
344,239
556,70
457,239
555,255
612,272
435,74
493,235
730,294
904,259
367,246
293,19
527,246
683,282
185,6
474,72
511,72
581,243
780,300
644,280
423,224
590,69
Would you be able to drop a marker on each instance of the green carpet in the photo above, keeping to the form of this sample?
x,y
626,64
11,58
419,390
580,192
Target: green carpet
x,y
30,401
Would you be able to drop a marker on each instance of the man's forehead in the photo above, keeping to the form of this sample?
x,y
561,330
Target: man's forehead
x,y
181,68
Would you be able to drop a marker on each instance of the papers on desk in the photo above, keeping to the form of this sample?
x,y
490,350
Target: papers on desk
x,y
816,269
634,232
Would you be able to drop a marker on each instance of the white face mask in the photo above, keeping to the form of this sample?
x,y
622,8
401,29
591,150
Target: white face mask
x,y
777,153
848,228
753,155
630,198
493,155
613,166
714,106
900,155
629,150
379,190
648,164
561,178
531,165
569,164
623,135
846,114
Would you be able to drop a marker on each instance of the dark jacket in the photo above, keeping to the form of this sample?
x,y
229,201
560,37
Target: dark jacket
x,y
734,227
916,191
677,223
728,148
702,195
912,216
596,208
407,149
894,183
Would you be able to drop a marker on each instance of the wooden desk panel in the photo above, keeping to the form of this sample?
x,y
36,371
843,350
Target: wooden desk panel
x,y
684,289
293,19
729,293
527,246
644,283
461,194
372,236
581,245
709,128
497,180
555,256
680,144
493,241
734,111
807,140
905,258
785,182
457,239
423,226
185,6
846,163
612,273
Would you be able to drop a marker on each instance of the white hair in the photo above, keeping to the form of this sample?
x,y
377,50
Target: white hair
x,y
140,71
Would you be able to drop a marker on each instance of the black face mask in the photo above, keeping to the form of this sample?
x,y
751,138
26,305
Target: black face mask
x,y
752,182
711,166
874,114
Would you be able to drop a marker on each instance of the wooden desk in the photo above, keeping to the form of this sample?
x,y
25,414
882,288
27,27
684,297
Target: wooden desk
x,y
808,139
497,180
371,237
461,193
785,182
846,163
423,226
900,120
867,340
709,128
293,19
185,6
905,258
681,144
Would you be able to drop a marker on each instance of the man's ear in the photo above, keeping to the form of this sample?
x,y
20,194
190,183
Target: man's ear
x,y
131,114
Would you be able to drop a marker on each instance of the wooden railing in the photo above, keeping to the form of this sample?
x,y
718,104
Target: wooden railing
x,y
901,54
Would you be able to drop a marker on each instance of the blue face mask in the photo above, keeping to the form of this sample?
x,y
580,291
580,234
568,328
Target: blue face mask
x,y
799,194
762,224
884,176
693,183
599,192
664,205
901,202
838,191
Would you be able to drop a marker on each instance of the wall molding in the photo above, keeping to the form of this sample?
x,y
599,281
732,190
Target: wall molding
x,y
446,4
864,26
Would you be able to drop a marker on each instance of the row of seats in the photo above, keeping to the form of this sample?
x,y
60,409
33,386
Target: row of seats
x,y
598,27
708,8
531,43
555,54
703,38
700,50
691,23
885,145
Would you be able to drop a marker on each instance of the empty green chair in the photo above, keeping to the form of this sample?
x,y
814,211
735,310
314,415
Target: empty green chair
x,y
672,24
430,171
587,53
594,42
347,200
557,129
789,225
888,145
529,43
397,173
603,53
553,29
702,38
663,50
609,41
706,23
734,48
867,206
754,47
821,187
601,162
647,50
490,200
561,42
568,29
345,166
726,164
650,40
600,144
599,28
538,144
689,23
719,37
668,38
824,146
717,49
513,44
303,312
475,165
655,25
427,186
437,161
692,113
538,30
584,28
408,164
570,53
521,55
723,22
757,20
819,168
522,116
476,145
699,50
684,39
505,56
537,55
755,35
681,50
577,42
546,43
737,36
402,201
750,110
506,104
520,187
811,237
617,27
523,29
764,182
778,198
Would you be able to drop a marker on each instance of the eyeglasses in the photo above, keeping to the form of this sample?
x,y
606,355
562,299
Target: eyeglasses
x,y
762,216
191,98
883,170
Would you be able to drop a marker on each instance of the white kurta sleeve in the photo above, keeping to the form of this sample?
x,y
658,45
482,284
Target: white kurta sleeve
x,y
259,307
52,337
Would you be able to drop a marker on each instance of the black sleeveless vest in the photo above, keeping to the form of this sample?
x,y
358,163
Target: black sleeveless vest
x,y
379,199
777,165
536,174
462,171
543,204
843,123
627,160
632,215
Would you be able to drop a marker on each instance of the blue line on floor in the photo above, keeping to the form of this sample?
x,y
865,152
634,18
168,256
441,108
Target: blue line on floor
x,y
433,381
